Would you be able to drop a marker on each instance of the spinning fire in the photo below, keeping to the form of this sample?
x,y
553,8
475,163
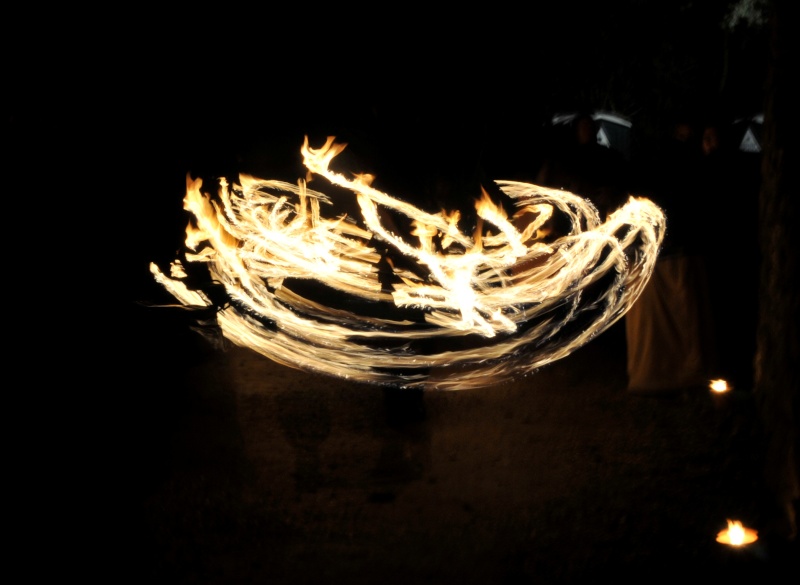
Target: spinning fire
x,y
429,306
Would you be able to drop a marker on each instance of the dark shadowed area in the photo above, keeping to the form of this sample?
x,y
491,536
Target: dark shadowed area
x,y
236,469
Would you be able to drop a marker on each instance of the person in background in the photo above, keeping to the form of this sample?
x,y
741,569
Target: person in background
x,y
669,329
587,168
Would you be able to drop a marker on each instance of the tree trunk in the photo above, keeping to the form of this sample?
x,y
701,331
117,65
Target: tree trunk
x,y
777,361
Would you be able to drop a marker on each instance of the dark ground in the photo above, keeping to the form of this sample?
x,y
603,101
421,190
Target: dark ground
x,y
234,469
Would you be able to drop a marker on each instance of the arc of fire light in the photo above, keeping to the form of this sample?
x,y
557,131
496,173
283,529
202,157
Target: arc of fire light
x,y
490,306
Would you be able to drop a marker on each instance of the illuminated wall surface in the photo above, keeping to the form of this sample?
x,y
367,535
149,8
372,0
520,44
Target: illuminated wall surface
x,y
430,306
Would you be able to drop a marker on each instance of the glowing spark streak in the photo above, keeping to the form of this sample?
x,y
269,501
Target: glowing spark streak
x,y
510,297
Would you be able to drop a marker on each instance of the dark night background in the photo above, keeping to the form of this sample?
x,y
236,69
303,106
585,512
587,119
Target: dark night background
x,y
103,135
413,94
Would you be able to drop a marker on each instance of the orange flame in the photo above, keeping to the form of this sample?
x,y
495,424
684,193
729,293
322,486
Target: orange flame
x,y
736,534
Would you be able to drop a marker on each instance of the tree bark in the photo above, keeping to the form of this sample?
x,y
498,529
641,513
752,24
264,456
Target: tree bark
x,y
777,359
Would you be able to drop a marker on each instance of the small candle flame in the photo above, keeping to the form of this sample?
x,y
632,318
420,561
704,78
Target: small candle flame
x,y
736,534
719,386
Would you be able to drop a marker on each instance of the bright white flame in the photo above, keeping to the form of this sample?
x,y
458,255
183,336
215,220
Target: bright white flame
x,y
353,298
719,386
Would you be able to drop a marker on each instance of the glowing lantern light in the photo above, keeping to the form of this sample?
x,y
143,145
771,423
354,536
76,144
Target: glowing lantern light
x,y
736,534
353,298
